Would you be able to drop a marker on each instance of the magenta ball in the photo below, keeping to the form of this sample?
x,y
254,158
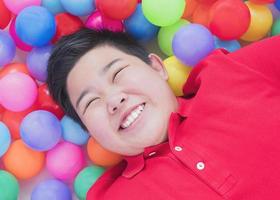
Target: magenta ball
x,y
65,161
15,6
18,91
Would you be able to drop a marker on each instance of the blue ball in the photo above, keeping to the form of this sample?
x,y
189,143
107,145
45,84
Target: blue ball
x,y
229,45
54,6
37,61
7,48
40,130
5,138
277,4
73,132
35,25
51,189
78,8
139,27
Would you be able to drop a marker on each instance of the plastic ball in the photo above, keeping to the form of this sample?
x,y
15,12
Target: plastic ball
x,y
229,45
276,28
166,34
37,61
139,27
35,26
17,5
262,1
78,8
9,186
85,179
97,21
201,14
51,189
229,19
7,48
116,9
177,74
198,43
66,24
261,22
65,160
14,67
22,161
5,139
73,132
190,8
54,6
5,15
19,43
277,4
163,12
100,156
40,130
275,12
18,91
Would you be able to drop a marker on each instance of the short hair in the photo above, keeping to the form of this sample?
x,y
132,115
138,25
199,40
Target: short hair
x,y
69,49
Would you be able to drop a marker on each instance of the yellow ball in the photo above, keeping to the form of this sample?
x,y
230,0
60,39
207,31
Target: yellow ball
x,y
261,22
178,74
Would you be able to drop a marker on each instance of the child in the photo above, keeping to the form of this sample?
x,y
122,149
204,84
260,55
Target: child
x,y
219,141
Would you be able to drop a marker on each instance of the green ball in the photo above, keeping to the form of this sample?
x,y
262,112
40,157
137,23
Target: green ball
x,y
163,12
85,179
9,187
275,28
166,34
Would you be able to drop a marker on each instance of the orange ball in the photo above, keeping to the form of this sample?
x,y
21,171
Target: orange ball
x,y
14,67
100,156
190,8
22,161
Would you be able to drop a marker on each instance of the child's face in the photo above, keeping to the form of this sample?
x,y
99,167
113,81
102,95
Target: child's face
x,y
110,99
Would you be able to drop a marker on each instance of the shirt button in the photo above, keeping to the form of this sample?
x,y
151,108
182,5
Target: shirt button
x,y
178,148
200,165
152,153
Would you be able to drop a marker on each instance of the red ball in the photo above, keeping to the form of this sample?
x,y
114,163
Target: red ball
x,y
201,14
229,19
262,1
206,1
5,15
116,9
14,67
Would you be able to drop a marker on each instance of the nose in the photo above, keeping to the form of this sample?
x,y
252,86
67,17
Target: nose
x,y
116,101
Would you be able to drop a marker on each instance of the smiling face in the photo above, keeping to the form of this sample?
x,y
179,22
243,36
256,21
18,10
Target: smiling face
x,y
124,102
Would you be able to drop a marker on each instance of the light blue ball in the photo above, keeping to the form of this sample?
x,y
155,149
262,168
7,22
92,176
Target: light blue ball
x,y
54,6
229,45
79,8
35,25
5,139
7,48
73,132
139,27
51,189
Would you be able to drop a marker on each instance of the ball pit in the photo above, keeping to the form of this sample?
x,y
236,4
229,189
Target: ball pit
x,y
183,32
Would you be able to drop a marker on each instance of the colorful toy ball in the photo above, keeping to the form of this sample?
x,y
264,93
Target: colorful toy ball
x,y
229,19
262,1
54,6
35,26
229,45
37,61
40,130
9,186
85,179
15,6
64,161
139,27
78,8
163,12
7,48
51,189
5,139
22,161
116,9
277,4
18,91
73,132
276,28
5,15
197,43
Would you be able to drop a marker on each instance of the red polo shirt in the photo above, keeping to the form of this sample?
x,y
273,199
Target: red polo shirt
x,y
223,141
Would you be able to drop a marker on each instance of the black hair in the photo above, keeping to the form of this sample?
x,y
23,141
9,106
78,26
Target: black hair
x,y
69,49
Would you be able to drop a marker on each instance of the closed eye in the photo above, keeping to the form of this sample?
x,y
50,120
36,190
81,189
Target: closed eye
x,y
118,72
88,103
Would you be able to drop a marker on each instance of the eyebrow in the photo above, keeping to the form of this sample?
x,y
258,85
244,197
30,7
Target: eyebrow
x,y
104,70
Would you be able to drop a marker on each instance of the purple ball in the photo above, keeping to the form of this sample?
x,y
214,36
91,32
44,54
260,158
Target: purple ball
x,y
192,43
37,61
7,48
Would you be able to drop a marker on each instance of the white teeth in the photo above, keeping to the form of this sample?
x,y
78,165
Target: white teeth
x,y
132,116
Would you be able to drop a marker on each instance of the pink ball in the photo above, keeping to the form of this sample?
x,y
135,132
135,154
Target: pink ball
x,y
65,161
15,6
18,91
97,21
20,44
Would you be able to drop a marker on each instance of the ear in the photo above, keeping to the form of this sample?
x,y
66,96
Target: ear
x,y
157,65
